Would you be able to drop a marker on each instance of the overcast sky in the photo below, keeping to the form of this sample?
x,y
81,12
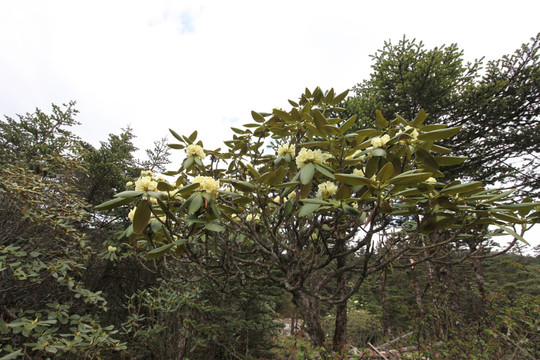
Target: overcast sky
x,y
205,65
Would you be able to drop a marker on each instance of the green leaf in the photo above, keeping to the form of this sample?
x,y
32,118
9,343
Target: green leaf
x,y
195,204
277,176
409,179
426,159
528,206
141,217
114,203
307,173
353,180
386,172
178,137
315,201
193,136
347,124
349,210
450,160
339,98
380,121
307,209
188,162
439,134
474,186
163,186
158,252
176,146
257,117
440,149
188,188
420,118
320,122
214,226
155,226
240,185
129,194
512,233
283,115
323,170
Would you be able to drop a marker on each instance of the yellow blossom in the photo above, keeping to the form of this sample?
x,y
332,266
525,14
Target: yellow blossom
x,y
131,214
195,150
145,183
129,183
358,172
277,199
286,149
235,217
380,141
311,156
146,173
292,195
111,249
207,183
431,180
327,189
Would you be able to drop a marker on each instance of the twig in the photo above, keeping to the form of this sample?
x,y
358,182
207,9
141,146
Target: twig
x,y
377,351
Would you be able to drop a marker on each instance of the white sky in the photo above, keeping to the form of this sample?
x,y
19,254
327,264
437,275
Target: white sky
x,y
205,65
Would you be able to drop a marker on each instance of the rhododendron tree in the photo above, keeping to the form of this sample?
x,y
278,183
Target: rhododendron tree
x,y
301,199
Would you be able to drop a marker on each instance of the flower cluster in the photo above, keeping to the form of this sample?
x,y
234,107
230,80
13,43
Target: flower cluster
x,y
311,156
431,180
413,133
207,183
327,189
146,183
195,150
286,149
380,141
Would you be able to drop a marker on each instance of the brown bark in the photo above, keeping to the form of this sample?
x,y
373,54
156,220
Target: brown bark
x,y
310,308
340,339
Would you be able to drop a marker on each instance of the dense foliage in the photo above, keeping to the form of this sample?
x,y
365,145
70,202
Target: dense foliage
x,y
497,104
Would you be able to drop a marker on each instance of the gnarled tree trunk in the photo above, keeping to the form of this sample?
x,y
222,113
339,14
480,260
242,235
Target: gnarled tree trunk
x,y
310,308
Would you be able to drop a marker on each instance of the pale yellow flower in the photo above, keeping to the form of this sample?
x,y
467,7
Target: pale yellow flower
x,y
311,156
207,183
145,183
358,172
277,199
380,141
131,214
195,150
431,180
111,249
286,149
327,189
146,173
235,217
249,217
292,195
129,183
